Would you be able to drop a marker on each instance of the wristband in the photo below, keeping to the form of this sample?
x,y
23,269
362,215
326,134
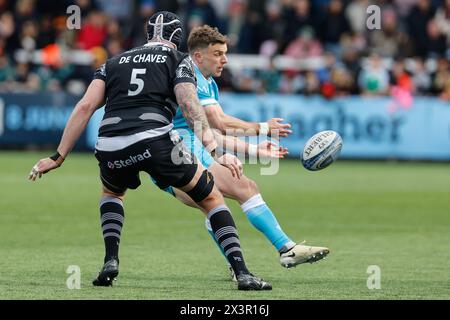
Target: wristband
x,y
57,158
263,128
252,150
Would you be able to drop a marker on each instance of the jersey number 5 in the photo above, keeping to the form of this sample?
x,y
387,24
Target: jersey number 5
x,y
137,81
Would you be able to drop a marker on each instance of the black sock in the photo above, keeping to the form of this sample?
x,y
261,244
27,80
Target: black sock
x,y
224,229
111,219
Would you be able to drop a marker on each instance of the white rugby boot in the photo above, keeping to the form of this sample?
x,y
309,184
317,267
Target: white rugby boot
x,y
302,253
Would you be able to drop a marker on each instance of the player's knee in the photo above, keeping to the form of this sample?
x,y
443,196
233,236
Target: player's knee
x,y
108,193
248,187
204,187
241,191
214,196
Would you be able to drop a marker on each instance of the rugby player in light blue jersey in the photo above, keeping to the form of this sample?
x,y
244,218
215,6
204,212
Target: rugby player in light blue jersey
x,y
207,48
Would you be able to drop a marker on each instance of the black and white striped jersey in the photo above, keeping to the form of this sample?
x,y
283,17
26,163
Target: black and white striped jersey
x,y
140,88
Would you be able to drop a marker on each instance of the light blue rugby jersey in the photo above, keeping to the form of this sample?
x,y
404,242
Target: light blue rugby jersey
x,y
208,94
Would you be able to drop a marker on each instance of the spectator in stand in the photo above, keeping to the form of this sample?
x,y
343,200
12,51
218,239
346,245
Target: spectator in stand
x,y
351,62
272,30
169,5
442,19
418,20
441,79
257,6
401,78
24,80
221,9
417,29
113,30
86,7
64,36
305,45
93,32
335,79
6,68
7,27
421,78
436,43
204,10
312,84
270,78
356,42
374,77
139,25
297,17
24,12
28,35
342,81
114,47
4,6
388,41
250,38
401,88
404,7
324,72
356,15
320,6
225,81
246,81
47,34
236,21
122,10
291,83
334,26
114,40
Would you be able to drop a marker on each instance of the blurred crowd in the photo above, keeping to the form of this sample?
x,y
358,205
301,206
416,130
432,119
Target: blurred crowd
x,y
409,55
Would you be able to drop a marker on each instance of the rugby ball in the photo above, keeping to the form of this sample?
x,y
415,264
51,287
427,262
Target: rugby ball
x,y
321,150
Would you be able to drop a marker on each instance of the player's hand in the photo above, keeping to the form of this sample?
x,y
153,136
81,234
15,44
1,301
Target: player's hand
x,y
268,149
42,167
232,163
278,129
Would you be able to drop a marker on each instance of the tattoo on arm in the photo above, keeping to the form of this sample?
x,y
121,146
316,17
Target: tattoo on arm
x,y
186,94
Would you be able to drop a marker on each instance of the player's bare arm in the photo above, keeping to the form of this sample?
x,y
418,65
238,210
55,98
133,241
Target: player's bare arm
x,y
187,99
226,123
82,113
186,94
265,149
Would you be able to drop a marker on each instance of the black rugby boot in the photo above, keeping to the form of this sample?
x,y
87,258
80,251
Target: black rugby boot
x,y
250,282
108,274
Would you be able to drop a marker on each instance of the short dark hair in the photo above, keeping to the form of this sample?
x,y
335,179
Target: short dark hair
x,y
202,37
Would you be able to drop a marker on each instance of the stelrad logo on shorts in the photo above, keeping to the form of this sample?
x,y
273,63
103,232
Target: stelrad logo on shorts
x,y
118,164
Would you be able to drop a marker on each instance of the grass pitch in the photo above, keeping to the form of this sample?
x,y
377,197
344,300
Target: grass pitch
x,y
392,215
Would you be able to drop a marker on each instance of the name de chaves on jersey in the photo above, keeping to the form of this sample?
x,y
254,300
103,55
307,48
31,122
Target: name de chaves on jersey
x,y
145,57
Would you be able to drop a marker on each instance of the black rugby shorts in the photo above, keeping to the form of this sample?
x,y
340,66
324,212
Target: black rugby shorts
x,y
165,158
